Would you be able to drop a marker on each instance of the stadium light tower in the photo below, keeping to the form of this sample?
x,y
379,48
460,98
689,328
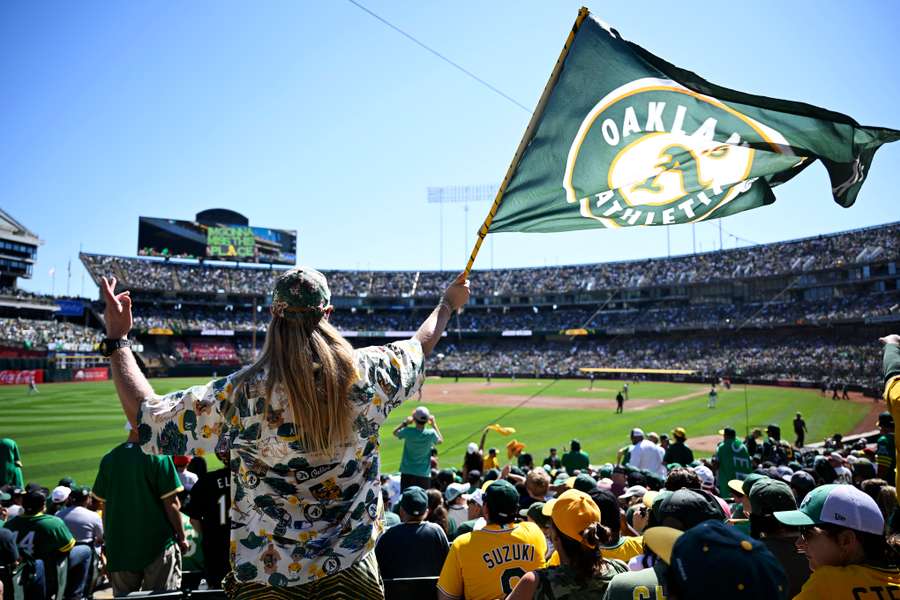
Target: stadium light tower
x,y
461,194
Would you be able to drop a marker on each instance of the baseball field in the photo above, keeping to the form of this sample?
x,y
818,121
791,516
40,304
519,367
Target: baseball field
x,y
65,429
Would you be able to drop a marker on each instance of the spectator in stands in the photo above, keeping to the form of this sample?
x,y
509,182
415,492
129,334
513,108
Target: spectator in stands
x,y
474,459
753,446
479,563
208,507
84,523
47,540
841,473
490,461
681,510
58,498
187,478
10,463
457,510
130,484
767,497
772,450
712,559
841,533
437,513
537,487
575,459
9,556
416,547
578,535
678,451
415,464
732,458
305,368
476,520
645,455
553,460
885,455
618,546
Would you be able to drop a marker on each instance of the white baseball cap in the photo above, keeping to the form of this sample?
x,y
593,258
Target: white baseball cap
x,y
836,504
637,432
472,448
60,494
477,497
455,490
707,479
421,414
635,490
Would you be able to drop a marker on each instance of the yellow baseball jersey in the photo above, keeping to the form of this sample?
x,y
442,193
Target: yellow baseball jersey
x,y
626,549
892,398
487,564
856,582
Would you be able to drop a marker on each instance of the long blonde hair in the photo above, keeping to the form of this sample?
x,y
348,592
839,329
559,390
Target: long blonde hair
x,y
313,365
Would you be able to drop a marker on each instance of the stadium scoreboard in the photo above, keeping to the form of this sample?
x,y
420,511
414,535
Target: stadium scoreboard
x,y
174,238
229,242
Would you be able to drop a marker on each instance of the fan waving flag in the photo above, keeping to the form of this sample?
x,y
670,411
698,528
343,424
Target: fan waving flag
x,y
622,138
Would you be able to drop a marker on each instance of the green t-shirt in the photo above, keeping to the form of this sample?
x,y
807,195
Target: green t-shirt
x,y
575,460
10,472
41,536
417,445
133,484
733,459
559,583
885,456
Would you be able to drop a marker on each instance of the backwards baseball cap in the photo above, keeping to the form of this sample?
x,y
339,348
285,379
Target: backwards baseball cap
x,y
637,432
300,291
714,560
60,494
502,499
414,501
455,490
572,512
836,504
421,415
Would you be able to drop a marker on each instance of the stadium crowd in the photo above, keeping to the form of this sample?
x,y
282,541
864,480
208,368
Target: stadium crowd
x,y
871,245
589,528
37,333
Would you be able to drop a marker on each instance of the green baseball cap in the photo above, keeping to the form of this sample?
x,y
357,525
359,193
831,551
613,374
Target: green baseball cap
x,y
836,504
535,512
714,560
584,483
502,499
751,480
414,500
300,291
606,471
768,496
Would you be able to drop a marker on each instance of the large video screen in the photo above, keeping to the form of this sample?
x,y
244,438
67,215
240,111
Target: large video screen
x,y
186,239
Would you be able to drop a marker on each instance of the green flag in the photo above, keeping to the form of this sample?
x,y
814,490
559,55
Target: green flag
x,y
623,138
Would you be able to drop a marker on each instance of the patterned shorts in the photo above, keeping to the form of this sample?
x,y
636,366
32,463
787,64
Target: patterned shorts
x,y
361,581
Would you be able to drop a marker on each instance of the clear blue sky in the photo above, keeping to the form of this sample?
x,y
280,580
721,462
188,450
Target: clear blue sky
x,y
314,116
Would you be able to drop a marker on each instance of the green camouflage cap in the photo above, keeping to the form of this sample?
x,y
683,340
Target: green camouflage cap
x,y
300,291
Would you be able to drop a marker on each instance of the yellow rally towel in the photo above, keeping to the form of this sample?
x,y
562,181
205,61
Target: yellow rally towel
x,y
514,448
501,430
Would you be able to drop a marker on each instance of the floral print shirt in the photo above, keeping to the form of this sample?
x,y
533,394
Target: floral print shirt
x,y
295,516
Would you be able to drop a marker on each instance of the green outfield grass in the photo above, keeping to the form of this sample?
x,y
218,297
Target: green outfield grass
x,y
579,388
67,428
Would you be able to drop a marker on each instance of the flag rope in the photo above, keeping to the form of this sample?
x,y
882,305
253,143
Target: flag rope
x,y
526,138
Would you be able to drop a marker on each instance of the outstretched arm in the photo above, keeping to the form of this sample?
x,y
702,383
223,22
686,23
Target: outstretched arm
x,y
131,385
454,298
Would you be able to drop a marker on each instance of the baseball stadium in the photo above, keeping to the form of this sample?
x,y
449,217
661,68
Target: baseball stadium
x,y
211,416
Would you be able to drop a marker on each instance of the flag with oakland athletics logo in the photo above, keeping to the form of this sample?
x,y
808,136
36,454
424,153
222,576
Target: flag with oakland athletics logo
x,y
622,138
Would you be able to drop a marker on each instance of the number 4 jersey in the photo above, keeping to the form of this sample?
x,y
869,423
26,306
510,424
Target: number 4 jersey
x,y
488,563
